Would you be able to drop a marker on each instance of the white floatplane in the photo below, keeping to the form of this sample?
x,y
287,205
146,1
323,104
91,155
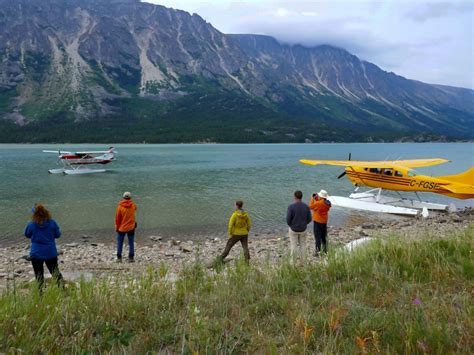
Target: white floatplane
x,y
76,163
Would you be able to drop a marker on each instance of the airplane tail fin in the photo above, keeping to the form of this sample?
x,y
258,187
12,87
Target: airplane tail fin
x,y
466,177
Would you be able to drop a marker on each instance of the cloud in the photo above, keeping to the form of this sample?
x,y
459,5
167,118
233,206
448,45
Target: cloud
x,y
427,40
309,13
431,11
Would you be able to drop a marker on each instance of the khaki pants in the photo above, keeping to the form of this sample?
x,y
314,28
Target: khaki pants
x,y
297,244
244,240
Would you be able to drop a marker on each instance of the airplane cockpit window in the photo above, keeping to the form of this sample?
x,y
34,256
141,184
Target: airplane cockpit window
x,y
388,172
411,173
398,173
375,170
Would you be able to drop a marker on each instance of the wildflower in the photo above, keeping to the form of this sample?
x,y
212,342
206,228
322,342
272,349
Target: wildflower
x,y
307,332
416,301
361,344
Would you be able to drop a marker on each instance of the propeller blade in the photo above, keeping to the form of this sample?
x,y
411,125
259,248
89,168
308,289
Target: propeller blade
x,y
344,172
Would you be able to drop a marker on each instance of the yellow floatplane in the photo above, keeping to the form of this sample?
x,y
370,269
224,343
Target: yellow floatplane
x,y
398,175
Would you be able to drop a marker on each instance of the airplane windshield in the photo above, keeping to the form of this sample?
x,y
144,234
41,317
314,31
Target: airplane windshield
x,y
411,173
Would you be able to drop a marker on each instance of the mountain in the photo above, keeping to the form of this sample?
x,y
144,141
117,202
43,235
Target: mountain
x,y
123,70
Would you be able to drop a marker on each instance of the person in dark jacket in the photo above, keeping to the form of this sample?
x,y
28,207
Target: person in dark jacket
x,y
298,216
43,232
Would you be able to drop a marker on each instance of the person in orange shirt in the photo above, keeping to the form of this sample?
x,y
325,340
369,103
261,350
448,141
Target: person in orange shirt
x,y
125,224
320,205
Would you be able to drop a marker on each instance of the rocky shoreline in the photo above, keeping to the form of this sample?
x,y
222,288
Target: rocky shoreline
x,y
87,259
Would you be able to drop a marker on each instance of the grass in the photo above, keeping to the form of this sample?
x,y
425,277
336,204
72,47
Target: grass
x,y
393,296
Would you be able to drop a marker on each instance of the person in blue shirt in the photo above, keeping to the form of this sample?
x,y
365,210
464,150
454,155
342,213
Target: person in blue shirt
x,y
43,232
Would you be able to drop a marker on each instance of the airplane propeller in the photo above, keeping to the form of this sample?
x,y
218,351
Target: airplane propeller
x,y
344,172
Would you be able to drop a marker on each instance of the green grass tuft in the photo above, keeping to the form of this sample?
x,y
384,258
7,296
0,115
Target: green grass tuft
x,y
393,296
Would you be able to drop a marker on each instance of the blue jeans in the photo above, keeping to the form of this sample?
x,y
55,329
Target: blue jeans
x,y
131,246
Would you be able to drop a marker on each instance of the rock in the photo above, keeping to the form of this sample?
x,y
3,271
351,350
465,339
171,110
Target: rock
x,y
71,245
156,238
175,242
94,244
186,248
168,253
216,239
3,275
456,218
357,243
24,258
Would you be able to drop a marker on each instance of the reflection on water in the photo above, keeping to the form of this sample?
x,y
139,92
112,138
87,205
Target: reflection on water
x,y
190,189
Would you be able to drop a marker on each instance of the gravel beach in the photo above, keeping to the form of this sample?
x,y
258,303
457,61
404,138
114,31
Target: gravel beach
x,y
88,259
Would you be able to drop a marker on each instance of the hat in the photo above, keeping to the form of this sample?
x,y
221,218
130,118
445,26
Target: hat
x,y
323,194
127,195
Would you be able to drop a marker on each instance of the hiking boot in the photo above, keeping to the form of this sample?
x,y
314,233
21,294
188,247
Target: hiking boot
x,y
131,260
118,260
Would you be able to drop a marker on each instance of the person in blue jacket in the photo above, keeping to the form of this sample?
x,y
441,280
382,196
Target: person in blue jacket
x,y
43,232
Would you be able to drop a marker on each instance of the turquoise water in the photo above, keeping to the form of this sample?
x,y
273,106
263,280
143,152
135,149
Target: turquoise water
x,y
189,190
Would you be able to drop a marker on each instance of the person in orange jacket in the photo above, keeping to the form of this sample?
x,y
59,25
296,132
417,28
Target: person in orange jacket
x,y
320,205
125,224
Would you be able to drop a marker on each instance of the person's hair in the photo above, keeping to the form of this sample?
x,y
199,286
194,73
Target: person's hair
x,y
239,203
298,195
41,214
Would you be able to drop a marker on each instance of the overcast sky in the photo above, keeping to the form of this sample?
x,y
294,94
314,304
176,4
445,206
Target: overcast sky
x,y
431,41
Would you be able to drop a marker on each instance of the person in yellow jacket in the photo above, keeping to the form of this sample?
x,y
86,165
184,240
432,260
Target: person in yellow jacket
x,y
239,228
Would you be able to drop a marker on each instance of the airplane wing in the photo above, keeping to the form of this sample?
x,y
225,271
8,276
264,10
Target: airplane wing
x,y
57,151
93,152
413,163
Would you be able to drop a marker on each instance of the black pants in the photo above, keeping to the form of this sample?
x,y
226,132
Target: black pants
x,y
320,234
51,264
244,240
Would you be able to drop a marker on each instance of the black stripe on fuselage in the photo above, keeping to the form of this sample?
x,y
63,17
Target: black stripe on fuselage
x,y
379,178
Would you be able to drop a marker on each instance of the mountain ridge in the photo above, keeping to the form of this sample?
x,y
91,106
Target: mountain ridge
x,y
128,64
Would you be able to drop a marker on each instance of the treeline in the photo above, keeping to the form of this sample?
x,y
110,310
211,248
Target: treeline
x,y
220,118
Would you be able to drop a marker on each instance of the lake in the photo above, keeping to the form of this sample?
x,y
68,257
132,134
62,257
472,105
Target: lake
x,y
189,190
